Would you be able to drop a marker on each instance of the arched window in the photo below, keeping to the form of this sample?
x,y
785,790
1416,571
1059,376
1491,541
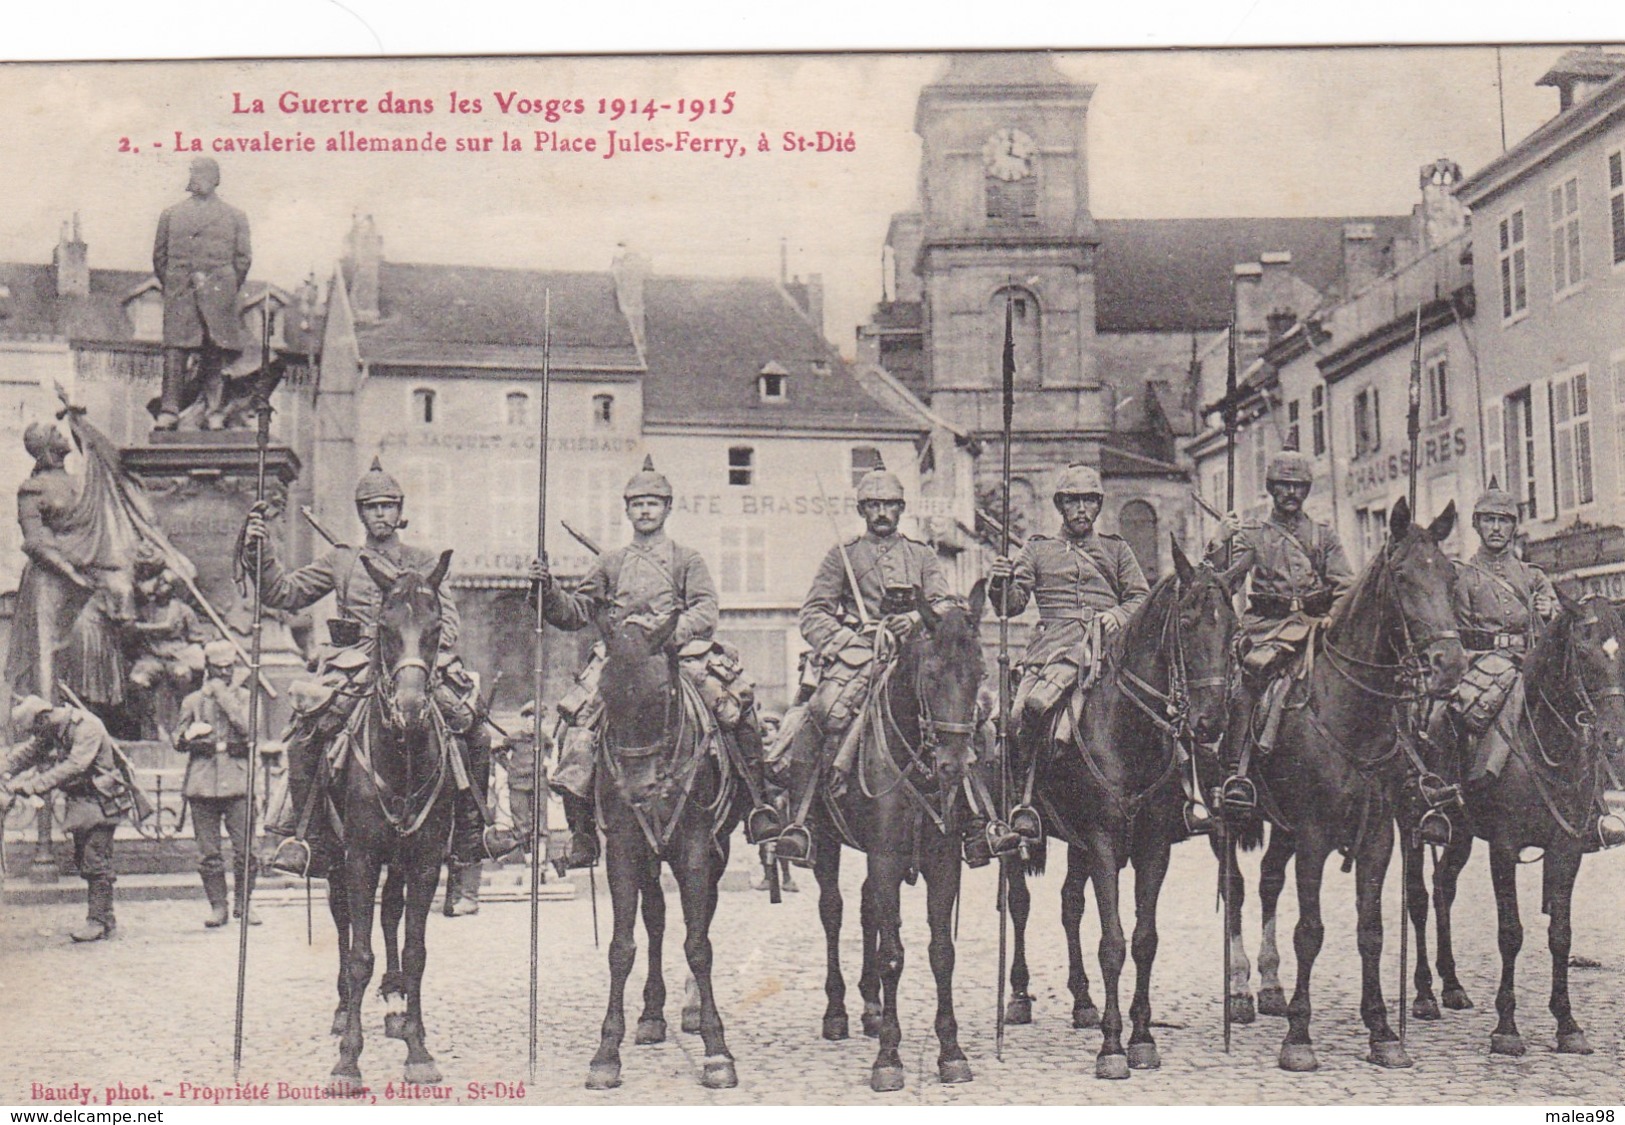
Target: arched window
x,y
1137,523
423,406
603,410
1024,313
517,412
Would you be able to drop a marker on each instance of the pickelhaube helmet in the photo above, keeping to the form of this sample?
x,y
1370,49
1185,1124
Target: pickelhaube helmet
x,y
1290,467
879,484
1495,501
1079,480
647,482
375,485
220,654
29,708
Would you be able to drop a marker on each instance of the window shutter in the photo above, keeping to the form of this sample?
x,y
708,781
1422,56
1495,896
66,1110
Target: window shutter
x,y
1495,443
1540,401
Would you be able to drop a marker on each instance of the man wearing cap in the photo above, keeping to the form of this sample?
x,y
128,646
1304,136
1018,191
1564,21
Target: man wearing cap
x,y
321,710
1299,574
518,757
69,749
647,580
201,256
1087,584
168,638
213,733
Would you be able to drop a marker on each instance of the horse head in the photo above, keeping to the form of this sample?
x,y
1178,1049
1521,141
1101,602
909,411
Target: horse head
x,y
948,672
1203,643
408,636
636,673
1578,658
1422,580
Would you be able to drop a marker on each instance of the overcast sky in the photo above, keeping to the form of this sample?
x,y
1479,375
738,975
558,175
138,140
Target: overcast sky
x,y
1171,133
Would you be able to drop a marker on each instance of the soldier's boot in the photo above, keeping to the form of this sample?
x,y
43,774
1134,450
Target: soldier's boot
x,y
244,902
214,886
579,814
100,924
290,853
1610,822
467,880
763,822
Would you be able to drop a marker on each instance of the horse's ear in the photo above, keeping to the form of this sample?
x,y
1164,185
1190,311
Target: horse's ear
x,y
1566,599
978,599
1234,577
1441,528
927,614
1182,565
1399,520
663,631
438,574
379,578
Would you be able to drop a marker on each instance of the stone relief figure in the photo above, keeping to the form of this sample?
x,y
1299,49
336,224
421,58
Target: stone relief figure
x,y
164,641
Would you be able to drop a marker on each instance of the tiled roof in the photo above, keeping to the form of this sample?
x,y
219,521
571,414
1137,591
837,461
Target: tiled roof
x,y
1589,63
31,306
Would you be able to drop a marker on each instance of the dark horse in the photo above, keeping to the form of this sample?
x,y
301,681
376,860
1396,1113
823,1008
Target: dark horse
x,y
666,792
394,794
1546,797
900,808
1334,776
1113,792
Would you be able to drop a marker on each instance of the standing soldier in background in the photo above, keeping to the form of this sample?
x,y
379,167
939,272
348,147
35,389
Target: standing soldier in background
x,y
214,735
517,756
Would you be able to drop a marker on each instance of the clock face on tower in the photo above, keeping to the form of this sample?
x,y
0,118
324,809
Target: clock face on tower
x,y
1008,155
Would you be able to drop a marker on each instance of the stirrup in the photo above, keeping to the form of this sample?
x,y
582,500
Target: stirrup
x,y
1198,818
1437,792
1024,822
762,824
795,845
1435,828
292,857
1003,842
1610,830
1239,794
499,842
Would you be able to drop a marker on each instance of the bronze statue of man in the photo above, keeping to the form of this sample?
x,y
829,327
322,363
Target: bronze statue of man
x,y
201,257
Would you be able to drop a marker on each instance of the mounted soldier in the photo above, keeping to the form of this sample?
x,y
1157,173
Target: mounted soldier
x,y
322,709
861,604
1087,584
1299,574
649,579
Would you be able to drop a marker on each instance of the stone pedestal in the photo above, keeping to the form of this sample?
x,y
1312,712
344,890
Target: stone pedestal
x,y
201,485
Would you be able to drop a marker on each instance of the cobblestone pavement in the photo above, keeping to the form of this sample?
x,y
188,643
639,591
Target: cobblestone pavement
x,y
164,991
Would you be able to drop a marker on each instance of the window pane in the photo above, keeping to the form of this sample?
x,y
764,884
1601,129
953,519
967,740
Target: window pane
x,y
1582,396
1582,462
1616,170
1571,196
1506,288
1520,292
1503,234
1616,212
1517,225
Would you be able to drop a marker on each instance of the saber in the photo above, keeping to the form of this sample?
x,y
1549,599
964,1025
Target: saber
x,y
538,768
582,537
840,545
1009,402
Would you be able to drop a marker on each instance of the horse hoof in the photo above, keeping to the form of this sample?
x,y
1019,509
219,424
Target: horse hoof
x,y
1299,1058
395,1025
1426,1008
718,1073
1242,1009
1507,1044
1019,1010
953,1071
603,1076
1389,1053
1144,1056
871,1025
835,1027
423,1073
650,1031
886,1079
1111,1066
1271,1002
1573,1043
1086,1017
344,1085
691,1020
1457,1000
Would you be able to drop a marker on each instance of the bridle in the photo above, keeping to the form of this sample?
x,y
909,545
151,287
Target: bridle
x,y
407,823
1583,727
1169,711
1410,670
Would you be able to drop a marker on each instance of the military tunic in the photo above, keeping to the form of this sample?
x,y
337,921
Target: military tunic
x,y
651,578
69,755
201,256
217,764
1495,601
879,563
1294,562
340,572
1071,580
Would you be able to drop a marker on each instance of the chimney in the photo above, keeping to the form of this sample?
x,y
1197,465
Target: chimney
x,y
1249,313
70,262
1362,263
631,271
813,302
363,258
1443,216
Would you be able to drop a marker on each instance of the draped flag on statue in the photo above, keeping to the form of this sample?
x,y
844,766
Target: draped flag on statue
x,y
113,514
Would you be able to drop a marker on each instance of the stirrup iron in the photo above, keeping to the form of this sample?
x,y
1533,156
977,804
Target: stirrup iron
x,y
795,845
762,825
1435,828
1026,823
1239,794
292,856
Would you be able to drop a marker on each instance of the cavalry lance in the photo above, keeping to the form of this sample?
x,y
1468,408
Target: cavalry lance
x,y
538,769
1413,429
1228,843
1009,402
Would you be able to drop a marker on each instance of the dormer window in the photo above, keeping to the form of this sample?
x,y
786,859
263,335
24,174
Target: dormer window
x,y
773,384
820,367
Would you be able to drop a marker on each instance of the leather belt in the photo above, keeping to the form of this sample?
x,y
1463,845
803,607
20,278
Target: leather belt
x,y
1317,604
1483,640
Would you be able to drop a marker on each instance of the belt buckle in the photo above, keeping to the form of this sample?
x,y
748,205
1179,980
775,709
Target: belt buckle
x,y
1503,640
1294,605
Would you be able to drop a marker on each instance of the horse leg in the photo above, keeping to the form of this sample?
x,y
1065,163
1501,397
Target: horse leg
x,y
338,905
652,1022
1238,990
420,881
1505,1040
1562,869
1020,1008
1445,875
361,879
621,872
697,877
942,872
1112,1062
827,870
1271,882
869,976
1426,1005
886,880
1370,873
1150,868
1297,1051
1074,900
392,986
